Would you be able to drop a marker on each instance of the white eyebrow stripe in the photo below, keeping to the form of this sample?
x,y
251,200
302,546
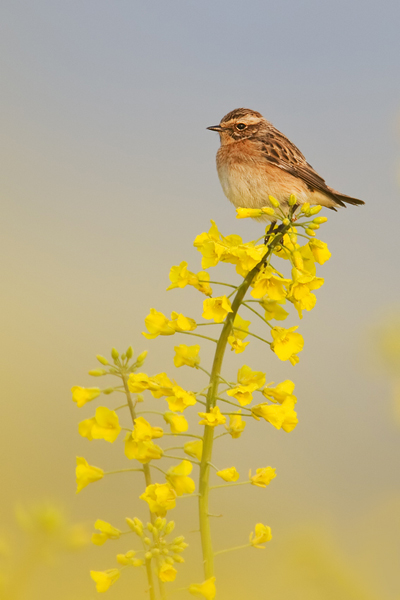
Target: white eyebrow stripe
x,y
248,120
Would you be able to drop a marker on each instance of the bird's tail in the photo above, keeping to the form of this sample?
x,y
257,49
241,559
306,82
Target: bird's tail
x,y
342,199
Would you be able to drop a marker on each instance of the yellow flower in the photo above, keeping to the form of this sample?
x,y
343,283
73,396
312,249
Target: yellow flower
x,y
242,393
104,426
144,451
263,477
286,343
246,257
210,247
167,572
82,395
249,381
161,385
86,473
262,534
320,251
200,282
181,323
268,283
143,431
236,425
282,416
157,324
229,474
138,382
107,532
240,327
178,478
236,344
194,449
104,579
181,277
215,247
212,418
177,423
300,290
205,589
160,498
216,308
139,445
273,310
254,213
280,392
187,355
180,399
246,376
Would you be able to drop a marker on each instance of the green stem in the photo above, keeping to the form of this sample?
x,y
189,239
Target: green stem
x,y
208,437
205,337
223,485
147,476
232,549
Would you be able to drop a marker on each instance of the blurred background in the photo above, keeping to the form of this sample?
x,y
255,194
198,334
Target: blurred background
x,y
108,174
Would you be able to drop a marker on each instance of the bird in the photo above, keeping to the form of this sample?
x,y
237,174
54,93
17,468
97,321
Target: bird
x,y
255,161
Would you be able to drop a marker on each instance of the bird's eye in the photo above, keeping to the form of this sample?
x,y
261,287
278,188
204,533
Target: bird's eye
x,y
241,126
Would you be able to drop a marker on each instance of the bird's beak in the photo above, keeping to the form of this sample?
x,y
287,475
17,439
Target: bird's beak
x,y
215,128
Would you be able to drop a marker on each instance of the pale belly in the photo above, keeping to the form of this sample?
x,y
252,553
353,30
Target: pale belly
x,y
248,186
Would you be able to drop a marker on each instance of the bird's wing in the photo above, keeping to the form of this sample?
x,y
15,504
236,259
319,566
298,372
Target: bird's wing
x,y
279,151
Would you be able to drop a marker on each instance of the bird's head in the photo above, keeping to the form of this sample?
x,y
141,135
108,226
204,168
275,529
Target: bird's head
x,y
239,124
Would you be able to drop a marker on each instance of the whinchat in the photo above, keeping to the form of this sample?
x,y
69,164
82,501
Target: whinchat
x,y
256,161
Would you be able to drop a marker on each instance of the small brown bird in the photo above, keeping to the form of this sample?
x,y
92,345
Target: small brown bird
x,y
256,160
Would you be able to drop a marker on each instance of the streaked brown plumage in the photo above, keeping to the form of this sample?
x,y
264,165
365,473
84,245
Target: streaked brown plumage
x,y
256,160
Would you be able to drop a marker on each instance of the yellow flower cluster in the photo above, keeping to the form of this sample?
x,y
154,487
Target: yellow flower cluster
x,y
270,291
216,248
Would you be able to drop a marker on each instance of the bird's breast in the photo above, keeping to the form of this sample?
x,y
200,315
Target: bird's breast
x,y
248,179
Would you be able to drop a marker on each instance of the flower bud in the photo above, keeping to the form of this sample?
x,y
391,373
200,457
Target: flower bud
x,y
169,560
129,353
320,220
108,390
170,527
292,200
156,551
177,549
148,556
315,210
97,372
178,559
141,358
136,525
115,354
165,551
285,221
158,523
123,356
267,210
313,226
150,527
102,360
137,562
147,541
274,201
179,539
305,208
140,398
310,232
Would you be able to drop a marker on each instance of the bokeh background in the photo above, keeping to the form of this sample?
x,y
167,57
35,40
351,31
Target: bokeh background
x,y
108,174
